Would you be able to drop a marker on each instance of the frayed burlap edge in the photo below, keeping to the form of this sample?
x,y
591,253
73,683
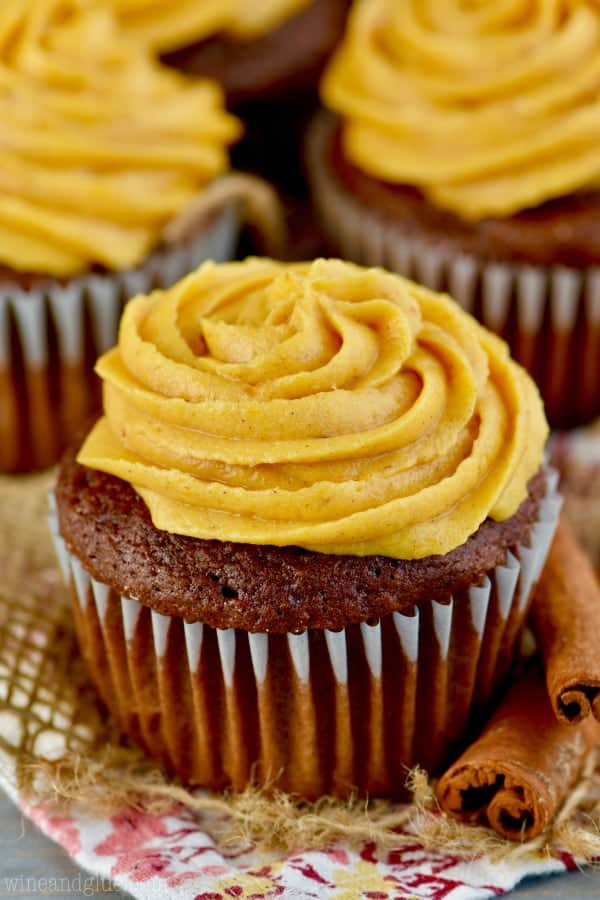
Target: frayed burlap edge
x,y
64,750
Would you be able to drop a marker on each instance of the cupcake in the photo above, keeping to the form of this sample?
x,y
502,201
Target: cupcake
x,y
256,51
576,456
268,56
301,540
460,149
102,149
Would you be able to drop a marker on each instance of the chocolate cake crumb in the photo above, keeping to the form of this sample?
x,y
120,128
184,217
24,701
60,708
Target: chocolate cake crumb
x,y
261,588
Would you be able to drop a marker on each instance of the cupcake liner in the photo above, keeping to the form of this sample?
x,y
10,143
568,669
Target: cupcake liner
x,y
549,315
317,712
51,336
576,455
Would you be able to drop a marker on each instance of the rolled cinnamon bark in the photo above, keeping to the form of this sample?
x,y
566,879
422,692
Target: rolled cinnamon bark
x,y
516,775
565,618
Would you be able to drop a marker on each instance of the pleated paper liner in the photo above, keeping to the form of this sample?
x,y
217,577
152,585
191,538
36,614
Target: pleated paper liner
x,y
50,339
316,712
550,316
576,455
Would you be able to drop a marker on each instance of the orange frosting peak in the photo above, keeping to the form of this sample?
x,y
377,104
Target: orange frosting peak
x,y
101,146
487,107
342,409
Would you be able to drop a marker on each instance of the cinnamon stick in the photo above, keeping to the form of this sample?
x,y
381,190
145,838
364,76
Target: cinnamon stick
x,y
565,618
516,775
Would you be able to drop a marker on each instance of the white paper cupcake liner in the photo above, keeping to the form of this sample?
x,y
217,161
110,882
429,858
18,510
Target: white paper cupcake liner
x,y
50,338
550,315
317,712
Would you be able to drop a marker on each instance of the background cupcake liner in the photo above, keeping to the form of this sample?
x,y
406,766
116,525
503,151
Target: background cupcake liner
x,y
50,338
576,456
315,712
550,316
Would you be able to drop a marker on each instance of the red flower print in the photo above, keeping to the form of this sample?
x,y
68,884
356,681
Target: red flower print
x,y
131,830
148,846
141,865
60,828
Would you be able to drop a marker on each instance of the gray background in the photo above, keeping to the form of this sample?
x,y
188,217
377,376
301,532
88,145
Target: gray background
x,y
25,851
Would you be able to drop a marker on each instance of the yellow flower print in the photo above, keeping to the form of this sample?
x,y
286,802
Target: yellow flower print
x,y
363,878
252,887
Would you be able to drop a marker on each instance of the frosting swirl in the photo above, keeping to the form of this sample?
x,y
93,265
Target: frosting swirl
x,y
101,146
168,26
341,409
487,107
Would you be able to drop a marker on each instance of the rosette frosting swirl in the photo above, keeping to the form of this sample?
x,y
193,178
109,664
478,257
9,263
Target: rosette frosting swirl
x,y
341,409
488,107
101,146
168,26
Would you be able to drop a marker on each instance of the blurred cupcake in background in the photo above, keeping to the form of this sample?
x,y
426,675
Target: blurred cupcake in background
x,y
576,455
461,149
102,149
256,51
267,55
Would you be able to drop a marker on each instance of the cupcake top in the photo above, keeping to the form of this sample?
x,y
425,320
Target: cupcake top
x,y
101,146
488,107
321,405
179,23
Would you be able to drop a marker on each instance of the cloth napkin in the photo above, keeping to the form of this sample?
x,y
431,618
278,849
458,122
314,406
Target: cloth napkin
x,y
172,857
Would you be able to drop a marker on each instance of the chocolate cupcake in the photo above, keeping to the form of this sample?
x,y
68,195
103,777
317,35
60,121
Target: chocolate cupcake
x,y
268,57
460,150
256,52
103,149
302,540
